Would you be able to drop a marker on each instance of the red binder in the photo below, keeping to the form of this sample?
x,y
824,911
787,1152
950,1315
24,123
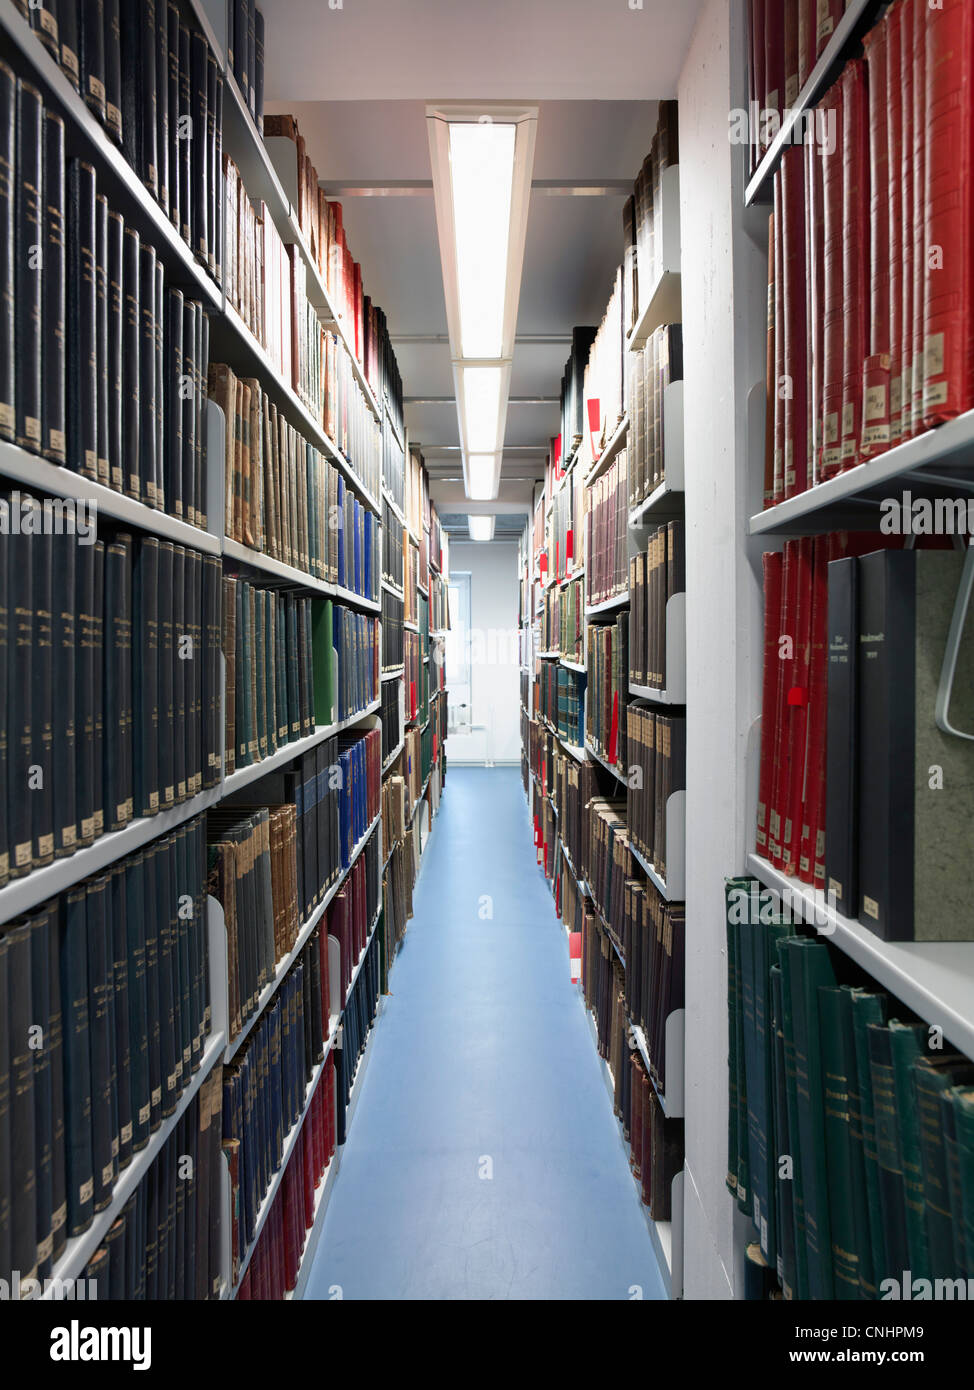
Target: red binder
x,y
772,563
807,24
894,49
907,177
948,363
790,46
779,340
774,55
855,254
813,782
795,326
875,401
815,257
832,293
828,14
784,663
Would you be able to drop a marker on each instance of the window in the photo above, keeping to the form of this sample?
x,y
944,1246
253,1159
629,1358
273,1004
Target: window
x,y
459,698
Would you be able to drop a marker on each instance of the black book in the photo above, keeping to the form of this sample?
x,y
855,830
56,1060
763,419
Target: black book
x,y
44,22
118,680
195,763
167,658
213,623
186,141
29,278
130,46
184,926
20,733
117,370
152,917
55,1047
82,340
241,59
132,348
102,1042
93,56
138,1074
165,879
70,45
182,670
198,93
308,829
175,368
162,101
212,181
115,1250
8,254
218,182
121,1012
916,781
101,337
77,1060
322,818
84,697
202,371
5,1141
98,687
54,313
151,1244
132,1257
259,70
146,665
841,857
159,343
149,114
41,783
40,1003
252,58
188,402
172,106
19,1014
113,69
148,435
64,684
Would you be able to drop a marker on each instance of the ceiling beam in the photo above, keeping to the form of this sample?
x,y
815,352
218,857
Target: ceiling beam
x,y
423,188
443,340
452,400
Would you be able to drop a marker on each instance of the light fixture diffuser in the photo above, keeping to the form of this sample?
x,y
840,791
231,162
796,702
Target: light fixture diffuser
x,y
481,528
482,475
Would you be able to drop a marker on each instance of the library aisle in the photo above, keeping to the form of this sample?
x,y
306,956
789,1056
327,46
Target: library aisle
x,y
484,1161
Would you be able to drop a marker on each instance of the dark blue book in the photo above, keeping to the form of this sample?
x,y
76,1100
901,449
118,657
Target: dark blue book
x,y
92,35
153,923
118,682
101,1042
16,553
82,320
28,235
146,667
77,1060
5,1136
161,73
101,339
183,663
98,689
165,911
8,254
121,1012
172,98
149,466
41,784
118,368
138,1074
43,1000
54,318
113,69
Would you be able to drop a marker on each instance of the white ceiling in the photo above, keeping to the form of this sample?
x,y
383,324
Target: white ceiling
x,y
595,69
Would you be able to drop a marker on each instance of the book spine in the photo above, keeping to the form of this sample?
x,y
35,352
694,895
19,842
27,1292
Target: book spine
x,y
101,341
40,782
54,312
93,57
28,243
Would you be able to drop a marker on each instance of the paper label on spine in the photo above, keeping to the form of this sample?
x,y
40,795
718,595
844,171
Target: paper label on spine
x,y
144,1114
6,417
871,907
824,21
55,441
69,61
97,88
157,1096
59,1217
933,356
127,1134
86,1191
107,1173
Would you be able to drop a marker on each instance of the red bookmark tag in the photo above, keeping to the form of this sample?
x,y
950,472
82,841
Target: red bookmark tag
x,y
798,695
412,698
557,570
543,563
569,545
594,418
614,732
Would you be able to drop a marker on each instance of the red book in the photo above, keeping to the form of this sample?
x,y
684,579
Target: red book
x,y
774,55
785,661
770,392
807,25
795,326
894,48
772,562
812,781
815,271
796,707
792,9
828,14
948,388
875,396
855,254
907,179
779,341
832,288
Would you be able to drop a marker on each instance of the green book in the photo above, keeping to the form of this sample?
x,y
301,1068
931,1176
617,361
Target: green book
x,y
889,1155
860,1189
765,955
796,1151
814,972
837,1064
869,1009
964,1126
907,1046
933,1077
785,1262
733,1028
260,671
948,1121
323,661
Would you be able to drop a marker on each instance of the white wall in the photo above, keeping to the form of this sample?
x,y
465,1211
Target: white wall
x,y
723,356
495,672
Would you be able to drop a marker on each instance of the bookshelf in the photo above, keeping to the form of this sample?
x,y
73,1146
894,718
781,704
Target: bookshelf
x,y
231,340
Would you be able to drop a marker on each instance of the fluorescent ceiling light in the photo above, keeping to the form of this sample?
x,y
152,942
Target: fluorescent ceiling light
x,y
480,396
483,474
482,171
482,159
481,528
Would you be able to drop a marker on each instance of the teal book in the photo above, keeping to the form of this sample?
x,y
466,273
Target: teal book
x,y
869,1009
907,1046
964,1127
955,1191
797,1150
889,1156
837,1063
323,662
785,1263
859,1185
933,1077
733,1061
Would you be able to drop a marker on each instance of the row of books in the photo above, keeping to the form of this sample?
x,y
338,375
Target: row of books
x,y
655,1143
605,374
391,717
352,912
652,369
654,947
272,1271
286,498
566,521
357,1020
439,605
608,690
392,632
573,423
102,368
573,786
245,55
265,1086
148,78
417,495
606,533
656,754
643,215
879,1132
112,702
869,302
166,1243
394,467
656,575
115,975
785,40
359,777
395,819
605,864
561,701
397,898
393,539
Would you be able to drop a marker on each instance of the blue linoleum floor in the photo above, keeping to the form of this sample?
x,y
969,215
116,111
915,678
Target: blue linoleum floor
x,y
482,1062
